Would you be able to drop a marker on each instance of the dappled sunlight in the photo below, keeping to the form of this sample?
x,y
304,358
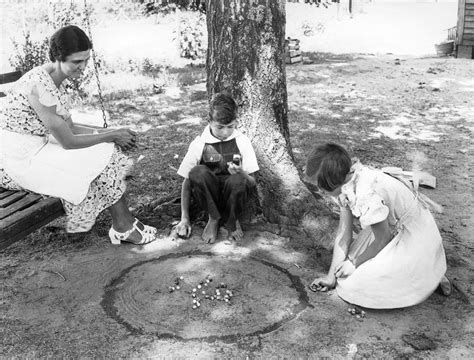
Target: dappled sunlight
x,y
222,313
322,89
120,84
193,120
398,132
90,117
466,112
467,85
405,126
338,65
173,92
440,82
230,248
161,245
263,245
276,247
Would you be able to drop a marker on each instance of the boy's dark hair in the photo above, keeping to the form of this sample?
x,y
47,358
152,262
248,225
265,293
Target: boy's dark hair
x,y
222,109
328,165
66,41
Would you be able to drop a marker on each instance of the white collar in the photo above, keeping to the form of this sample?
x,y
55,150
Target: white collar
x,y
208,138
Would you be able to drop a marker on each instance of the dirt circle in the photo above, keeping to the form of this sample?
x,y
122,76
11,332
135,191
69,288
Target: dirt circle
x,y
263,296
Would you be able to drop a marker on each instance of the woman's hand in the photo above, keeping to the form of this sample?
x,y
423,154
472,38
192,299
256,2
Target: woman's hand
x,y
125,138
344,269
324,283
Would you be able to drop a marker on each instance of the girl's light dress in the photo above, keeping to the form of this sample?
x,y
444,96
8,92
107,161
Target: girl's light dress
x,y
411,266
87,180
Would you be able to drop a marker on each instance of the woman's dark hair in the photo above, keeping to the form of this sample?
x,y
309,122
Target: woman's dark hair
x,y
222,108
328,166
66,41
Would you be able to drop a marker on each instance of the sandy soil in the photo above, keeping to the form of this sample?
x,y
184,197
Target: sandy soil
x,y
81,297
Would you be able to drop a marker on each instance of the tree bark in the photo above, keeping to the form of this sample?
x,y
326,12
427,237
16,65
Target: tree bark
x,y
246,58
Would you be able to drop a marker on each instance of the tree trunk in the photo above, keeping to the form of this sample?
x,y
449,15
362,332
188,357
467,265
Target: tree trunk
x,y
246,58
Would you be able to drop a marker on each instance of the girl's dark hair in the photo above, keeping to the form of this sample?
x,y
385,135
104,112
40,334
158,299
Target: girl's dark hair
x,y
328,165
222,108
66,41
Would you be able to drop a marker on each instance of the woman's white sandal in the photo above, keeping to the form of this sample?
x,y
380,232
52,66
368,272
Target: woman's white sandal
x,y
148,228
117,237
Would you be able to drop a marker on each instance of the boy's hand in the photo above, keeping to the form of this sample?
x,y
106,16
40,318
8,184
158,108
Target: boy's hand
x,y
183,229
233,168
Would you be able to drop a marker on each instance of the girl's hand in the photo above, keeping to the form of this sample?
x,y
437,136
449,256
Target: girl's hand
x,y
344,269
125,138
324,283
233,168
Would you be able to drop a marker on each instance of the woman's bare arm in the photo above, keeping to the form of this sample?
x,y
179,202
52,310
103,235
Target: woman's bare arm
x,y
63,133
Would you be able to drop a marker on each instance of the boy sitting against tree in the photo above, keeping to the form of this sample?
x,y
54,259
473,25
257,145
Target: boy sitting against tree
x,y
217,170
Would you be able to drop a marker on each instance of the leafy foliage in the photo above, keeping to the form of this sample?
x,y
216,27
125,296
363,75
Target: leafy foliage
x,y
317,3
192,36
29,53
167,6
68,14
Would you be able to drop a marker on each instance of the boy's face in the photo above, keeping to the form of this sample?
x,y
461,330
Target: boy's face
x,y
222,131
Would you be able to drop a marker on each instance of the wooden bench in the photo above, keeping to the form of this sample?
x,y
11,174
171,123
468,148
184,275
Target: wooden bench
x,y
22,212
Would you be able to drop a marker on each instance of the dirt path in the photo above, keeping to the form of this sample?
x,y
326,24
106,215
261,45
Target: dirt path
x,y
84,298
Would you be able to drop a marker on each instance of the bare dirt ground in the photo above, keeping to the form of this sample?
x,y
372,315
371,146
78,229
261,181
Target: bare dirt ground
x,y
81,297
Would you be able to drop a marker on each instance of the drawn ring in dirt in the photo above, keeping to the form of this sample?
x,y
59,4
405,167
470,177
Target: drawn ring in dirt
x,y
263,296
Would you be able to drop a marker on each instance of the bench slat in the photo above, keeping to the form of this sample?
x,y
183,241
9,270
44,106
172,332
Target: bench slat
x,y
23,203
17,195
10,77
6,193
25,221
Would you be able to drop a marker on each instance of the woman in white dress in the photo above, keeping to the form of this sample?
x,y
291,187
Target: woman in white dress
x,y
397,260
42,150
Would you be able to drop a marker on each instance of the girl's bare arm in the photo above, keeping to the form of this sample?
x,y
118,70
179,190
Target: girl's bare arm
x,y
343,239
382,236
340,251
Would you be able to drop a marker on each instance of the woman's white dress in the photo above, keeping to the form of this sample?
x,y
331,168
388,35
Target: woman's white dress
x,y
87,180
410,267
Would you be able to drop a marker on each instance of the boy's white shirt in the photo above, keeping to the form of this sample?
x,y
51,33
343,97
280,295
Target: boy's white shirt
x,y
193,156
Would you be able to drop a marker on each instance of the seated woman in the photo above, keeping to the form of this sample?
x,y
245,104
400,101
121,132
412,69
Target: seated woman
x,y
44,151
397,260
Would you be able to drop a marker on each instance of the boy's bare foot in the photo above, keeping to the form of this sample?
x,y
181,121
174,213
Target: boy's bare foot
x,y
237,234
209,234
